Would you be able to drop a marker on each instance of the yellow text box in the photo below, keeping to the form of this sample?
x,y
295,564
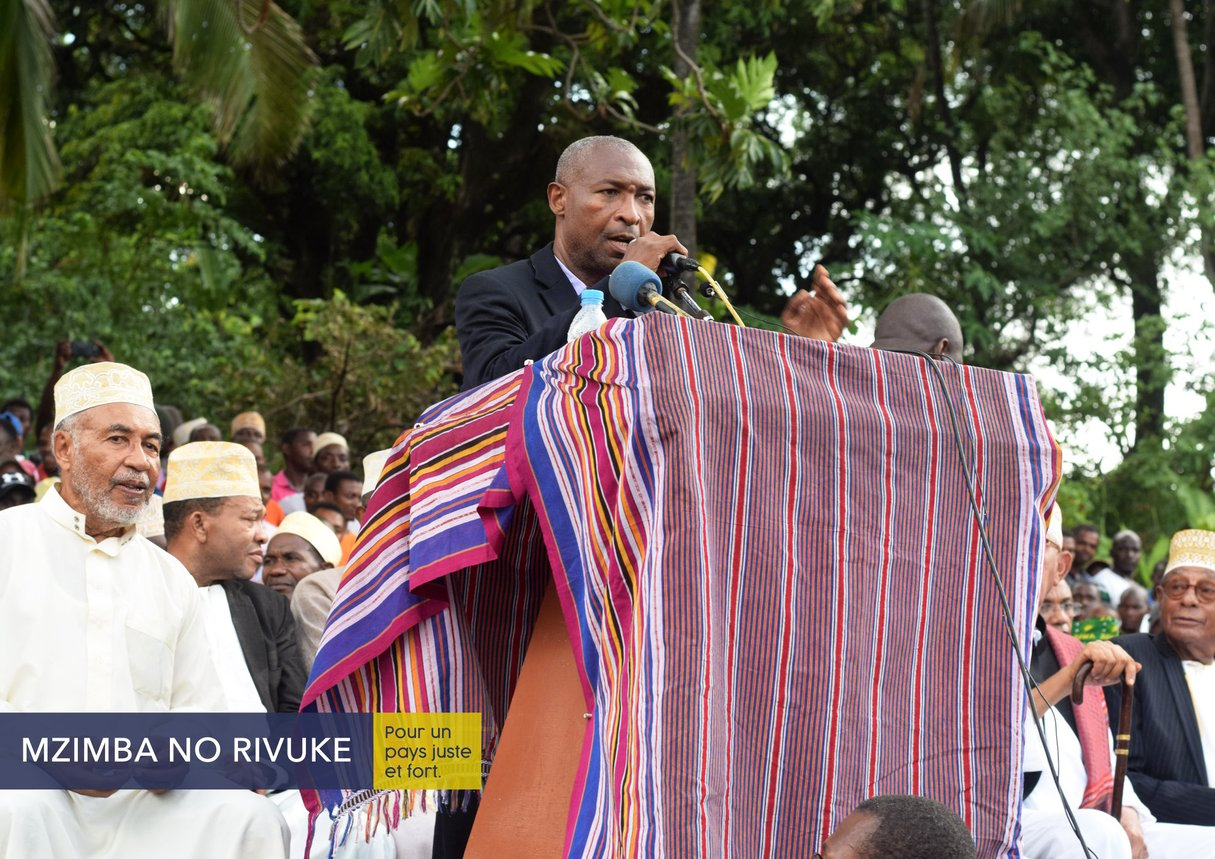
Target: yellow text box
x,y
427,751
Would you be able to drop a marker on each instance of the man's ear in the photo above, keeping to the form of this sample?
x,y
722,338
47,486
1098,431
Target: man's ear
x,y
556,198
197,523
61,444
1065,564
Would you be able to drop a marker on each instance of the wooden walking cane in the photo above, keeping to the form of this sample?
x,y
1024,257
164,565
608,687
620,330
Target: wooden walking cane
x,y
1122,740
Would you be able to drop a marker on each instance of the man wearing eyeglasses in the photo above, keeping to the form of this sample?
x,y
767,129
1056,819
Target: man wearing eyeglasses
x,y
1078,741
1172,759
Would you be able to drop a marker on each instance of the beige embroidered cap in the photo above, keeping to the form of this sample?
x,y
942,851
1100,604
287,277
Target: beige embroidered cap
x,y
325,439
1192,548
373,468
211,469
151,522
1054,527
181,435
98,385
249,420
316,532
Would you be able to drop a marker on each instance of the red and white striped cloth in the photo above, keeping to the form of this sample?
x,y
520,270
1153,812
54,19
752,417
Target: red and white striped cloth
x,y
765,550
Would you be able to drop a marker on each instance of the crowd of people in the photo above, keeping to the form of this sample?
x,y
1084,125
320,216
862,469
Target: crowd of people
x,y
148,563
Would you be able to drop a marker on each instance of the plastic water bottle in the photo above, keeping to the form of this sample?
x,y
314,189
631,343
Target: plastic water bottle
x,y
588,318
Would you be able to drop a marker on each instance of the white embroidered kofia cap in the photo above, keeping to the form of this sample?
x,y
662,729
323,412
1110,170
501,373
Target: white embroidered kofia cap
x,y
316,532
98,385
1192,548
211,469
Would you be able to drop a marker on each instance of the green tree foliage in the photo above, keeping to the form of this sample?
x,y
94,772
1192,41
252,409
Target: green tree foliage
x,y
137,249
1021,159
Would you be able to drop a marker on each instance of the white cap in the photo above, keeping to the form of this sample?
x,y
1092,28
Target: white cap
x,y
181,435
316,532
373,468
211,469
1054,527
326,439
98,385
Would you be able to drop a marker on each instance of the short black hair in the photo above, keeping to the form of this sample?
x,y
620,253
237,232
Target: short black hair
x,y
16,401
1086,526
175,512
326,505
915,827
292,434
337,478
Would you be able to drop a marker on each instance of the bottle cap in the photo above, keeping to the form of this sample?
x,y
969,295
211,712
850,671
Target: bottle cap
x,y
592,296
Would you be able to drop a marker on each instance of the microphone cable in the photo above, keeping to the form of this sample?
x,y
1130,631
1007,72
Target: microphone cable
x,y
712,289
1006,611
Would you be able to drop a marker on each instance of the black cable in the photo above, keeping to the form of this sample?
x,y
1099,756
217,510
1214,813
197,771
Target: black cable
x,y
1009,627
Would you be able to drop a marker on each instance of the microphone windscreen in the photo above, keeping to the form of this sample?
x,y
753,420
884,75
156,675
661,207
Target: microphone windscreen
x,y
627,283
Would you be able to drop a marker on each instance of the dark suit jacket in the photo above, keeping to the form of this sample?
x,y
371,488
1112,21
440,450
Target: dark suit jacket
x,y
266,632
517,312
1166,763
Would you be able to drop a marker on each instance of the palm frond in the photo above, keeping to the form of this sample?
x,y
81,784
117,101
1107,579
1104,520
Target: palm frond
x,y
29,167
249,62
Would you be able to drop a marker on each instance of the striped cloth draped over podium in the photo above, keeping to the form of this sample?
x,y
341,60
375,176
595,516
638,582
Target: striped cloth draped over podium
x,y
766,548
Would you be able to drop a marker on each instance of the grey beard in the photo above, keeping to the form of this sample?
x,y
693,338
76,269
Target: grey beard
x,y
102,507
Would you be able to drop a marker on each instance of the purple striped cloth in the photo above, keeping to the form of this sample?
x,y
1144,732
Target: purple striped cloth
x,y
765,547
778,583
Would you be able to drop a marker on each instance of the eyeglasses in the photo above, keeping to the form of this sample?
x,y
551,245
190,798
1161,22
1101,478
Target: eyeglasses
x,y
1068,607
1175,589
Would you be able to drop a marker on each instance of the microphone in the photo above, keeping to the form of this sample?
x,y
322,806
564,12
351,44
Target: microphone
x,y
636,288
685,300
677,262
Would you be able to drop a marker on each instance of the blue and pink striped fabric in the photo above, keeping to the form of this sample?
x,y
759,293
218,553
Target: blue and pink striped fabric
x,y
765,550
778,583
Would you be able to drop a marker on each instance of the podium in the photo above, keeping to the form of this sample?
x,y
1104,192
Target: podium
x,y
767,565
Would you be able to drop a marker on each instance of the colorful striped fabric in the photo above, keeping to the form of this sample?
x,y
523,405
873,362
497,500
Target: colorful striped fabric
x,y
766,546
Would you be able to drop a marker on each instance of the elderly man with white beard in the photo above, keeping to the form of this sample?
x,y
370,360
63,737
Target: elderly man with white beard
x,y
94,618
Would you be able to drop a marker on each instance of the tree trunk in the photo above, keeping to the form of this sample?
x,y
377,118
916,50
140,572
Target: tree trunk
x,y
1151,359
685,16
1193,113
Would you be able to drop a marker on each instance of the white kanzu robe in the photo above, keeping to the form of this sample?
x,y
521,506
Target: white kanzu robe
x,y
1046,833
89,626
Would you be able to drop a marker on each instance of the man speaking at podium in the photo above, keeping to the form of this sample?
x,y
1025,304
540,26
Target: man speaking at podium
x,y
603,200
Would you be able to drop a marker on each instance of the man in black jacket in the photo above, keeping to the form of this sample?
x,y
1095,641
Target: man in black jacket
x,y
603,198
1172,755
213,524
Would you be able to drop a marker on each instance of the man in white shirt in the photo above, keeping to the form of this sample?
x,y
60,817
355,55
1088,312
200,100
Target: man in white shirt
x,y
213,523
94,618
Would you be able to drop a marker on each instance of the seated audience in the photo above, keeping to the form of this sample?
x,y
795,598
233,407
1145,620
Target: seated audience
x,y
1078,737
303,545
1057,609
16,488
1133,609
213,525
81,589
249,426
1172,728
332,453
296,448
344,489
1095,619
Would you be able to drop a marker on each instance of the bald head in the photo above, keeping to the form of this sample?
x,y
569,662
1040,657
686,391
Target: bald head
x,y
920,323
580,153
